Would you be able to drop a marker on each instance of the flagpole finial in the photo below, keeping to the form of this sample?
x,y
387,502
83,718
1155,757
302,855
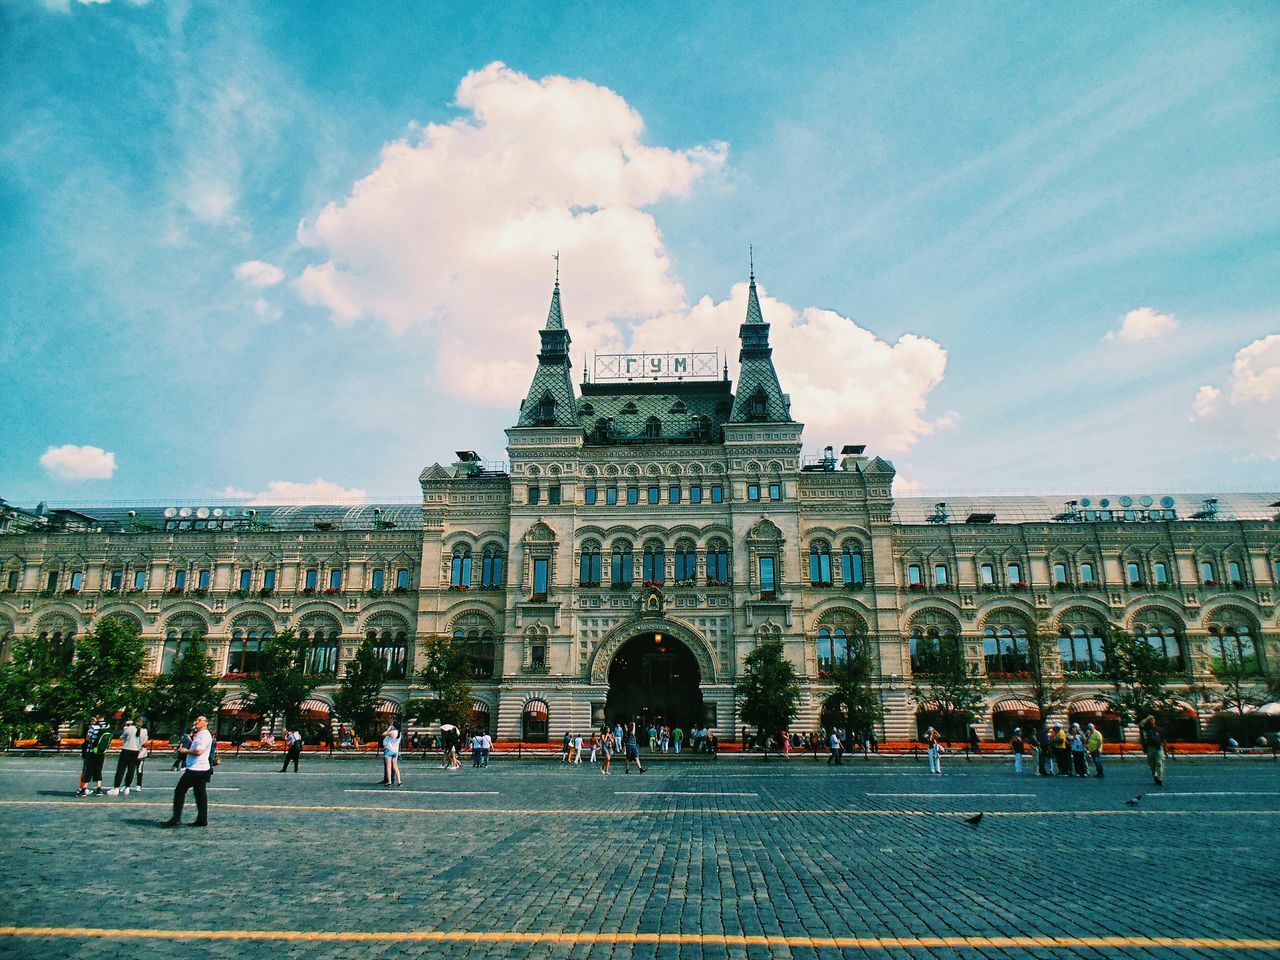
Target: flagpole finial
x,y
751,258
556,258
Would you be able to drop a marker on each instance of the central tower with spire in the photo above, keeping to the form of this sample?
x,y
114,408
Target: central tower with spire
x,y
550,401
759,398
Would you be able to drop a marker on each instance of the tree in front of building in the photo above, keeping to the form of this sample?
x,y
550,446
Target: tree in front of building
x,y
446,680
282,681
944,679
1047,689
187,691
27,682
854,704
1138,674
106,674
360,691
1236,676
768,691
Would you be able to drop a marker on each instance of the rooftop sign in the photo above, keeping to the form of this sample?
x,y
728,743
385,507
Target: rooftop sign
x,y
657,366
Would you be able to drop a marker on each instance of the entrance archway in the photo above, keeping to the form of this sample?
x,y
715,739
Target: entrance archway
x,y
654,679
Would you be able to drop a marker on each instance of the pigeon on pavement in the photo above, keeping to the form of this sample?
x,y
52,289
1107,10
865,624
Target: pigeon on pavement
x,y
1133,802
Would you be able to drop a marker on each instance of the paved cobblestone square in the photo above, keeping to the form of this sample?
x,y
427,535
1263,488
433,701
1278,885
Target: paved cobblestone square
x,y
689,860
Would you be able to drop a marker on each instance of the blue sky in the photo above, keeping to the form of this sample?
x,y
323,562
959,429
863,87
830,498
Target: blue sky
x,y
285,249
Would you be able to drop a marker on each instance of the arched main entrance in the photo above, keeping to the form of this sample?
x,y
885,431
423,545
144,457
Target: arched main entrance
x,y
654,679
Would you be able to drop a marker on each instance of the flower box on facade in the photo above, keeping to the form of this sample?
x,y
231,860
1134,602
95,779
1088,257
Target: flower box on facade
x,y
374,592
589,584
1018,585
916,587
266,592
308,591
332,591
175,591
240,594
200,592
459,587
1135,584
538,598
71,592
942,586
400,591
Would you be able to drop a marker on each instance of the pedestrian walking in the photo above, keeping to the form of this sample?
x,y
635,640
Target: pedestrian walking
x,y
292,750
93,751
450,740
391,757
837,749
607,745
786,745
676,736
486,748
1153,744
595,744
873,740
975,745
619,737
664,739
1045,766
1018,747
132,739
475,751
1078,751
577,748
197,762
145,752
633,750
934,741
566,748
1094,745
653,738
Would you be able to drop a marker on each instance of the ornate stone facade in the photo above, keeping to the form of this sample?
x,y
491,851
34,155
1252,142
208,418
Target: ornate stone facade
x,y
687,515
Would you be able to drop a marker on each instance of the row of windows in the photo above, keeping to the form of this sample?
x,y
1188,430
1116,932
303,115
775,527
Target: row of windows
x,y
203,579
653,564
492,567
851,565
653,494
1014,574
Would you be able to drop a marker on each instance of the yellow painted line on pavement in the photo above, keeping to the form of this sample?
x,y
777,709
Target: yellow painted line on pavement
x,y
640,811
696,939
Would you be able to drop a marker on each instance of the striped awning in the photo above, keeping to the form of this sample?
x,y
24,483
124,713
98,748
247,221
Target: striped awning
x,y
1022,708
535,708
1091,705
479,706
388,708
315,710
240,708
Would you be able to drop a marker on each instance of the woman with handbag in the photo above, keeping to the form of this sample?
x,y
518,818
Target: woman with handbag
x,y
934,741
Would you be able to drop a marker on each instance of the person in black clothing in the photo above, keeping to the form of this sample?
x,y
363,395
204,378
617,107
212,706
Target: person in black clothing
x,y
1042,740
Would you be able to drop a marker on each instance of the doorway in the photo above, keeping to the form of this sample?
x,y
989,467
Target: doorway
x,y
654,680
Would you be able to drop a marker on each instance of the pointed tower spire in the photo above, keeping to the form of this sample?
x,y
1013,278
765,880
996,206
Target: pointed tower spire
x,y
759,396
550,401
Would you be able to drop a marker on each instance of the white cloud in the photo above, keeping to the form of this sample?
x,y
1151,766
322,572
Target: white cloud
x,y
453,232
70,462
1143,324
846,384
259,273
905,486
290,491
1248,410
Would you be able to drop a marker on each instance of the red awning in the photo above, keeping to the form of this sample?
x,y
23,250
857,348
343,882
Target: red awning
x,y
1092,705
1018,708
240,708
479,706
388,708
536,708
315,710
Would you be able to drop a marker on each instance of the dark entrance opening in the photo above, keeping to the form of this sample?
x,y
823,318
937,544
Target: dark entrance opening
x,y
654,679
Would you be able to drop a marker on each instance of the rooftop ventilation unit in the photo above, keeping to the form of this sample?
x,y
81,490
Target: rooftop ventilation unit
x,y
980,518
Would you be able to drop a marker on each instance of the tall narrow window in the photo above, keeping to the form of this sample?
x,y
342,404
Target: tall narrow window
x,y
622,567
851,565
915,575
717,496
717,563
335,578
753,491
1060,574
1161,573
633,496
611,496
673,493
589,569
117,579
768,581
1234,574
1086,573
941,575
686,561
1207,573
1134,574
589,496
553,495
377,579
269,578
655,494
460,569
987,574
139,579
51,581
77,579
535,494
11,582
820,564
492,567
179,580
655,563
1014,573
402,578
695,493
541,577
775,491
202,580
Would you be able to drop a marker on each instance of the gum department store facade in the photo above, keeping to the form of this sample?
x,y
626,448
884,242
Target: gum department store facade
x,y
649,532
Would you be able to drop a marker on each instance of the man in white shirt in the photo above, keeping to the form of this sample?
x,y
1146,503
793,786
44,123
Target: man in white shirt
x,y
293,750
132,739
486,744
196,772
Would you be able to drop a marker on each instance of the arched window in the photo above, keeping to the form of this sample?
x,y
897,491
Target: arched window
x,y
851,569
1080,646
1086,573
1208,574
1059,574
247,637
589,566
535,721
1160,571
390,636
182,632
1235,573
820,564
1133,573
1005,647
655,562
492,567
686,561
622,566
321,633
931,634
480,649
59,632
915,575
460,573
1232,646
840,635
1164,634
1013,574
717,563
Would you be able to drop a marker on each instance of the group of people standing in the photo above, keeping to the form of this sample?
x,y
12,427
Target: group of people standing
x,y
605,743
93,753
1060,751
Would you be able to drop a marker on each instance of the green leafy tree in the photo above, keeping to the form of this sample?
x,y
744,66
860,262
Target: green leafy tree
x,y
943,676
769,691
1236,677
1138,674
854,704
189,690
446,678
282,681
27,683
358,694
1048,691
106,673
